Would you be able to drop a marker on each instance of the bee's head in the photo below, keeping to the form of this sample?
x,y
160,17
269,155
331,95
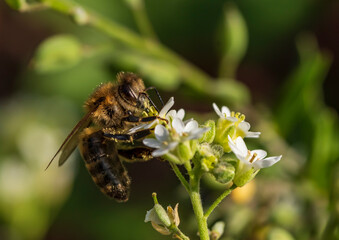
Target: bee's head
x,y
132,90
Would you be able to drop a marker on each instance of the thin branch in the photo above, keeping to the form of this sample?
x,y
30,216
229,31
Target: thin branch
x,y
218,200
180,176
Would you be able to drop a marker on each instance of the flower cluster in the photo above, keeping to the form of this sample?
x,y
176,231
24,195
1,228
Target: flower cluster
x,y
178,141
216,148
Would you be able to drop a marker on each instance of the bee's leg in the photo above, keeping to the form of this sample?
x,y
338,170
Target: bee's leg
x,y
134,119
128,137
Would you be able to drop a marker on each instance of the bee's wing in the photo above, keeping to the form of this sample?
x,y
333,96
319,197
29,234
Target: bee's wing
x,y
71,141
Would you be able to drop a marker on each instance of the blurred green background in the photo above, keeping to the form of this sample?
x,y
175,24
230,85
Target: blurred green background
x,y
275,61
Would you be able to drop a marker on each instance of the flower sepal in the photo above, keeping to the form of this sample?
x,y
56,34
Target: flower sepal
x,y
244,174
186,150
210,134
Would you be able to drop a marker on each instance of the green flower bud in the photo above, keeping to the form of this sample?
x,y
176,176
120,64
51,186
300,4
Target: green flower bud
x,y
224,128
209,158
224,171
157,214
210,134
162,215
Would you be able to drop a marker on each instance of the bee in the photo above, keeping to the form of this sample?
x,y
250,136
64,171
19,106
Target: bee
x,y
102,134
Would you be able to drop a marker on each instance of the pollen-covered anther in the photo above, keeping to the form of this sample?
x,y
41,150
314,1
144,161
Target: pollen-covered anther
x,y
238,115
253,157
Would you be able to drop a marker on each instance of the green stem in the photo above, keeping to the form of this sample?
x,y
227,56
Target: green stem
x,y
198,209
218,200
180,176
142,20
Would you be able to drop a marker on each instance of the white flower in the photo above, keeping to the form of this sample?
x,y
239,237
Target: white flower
x,y
238,119
224,113
166,141
162,114
175,114
255,158
189,130
163,141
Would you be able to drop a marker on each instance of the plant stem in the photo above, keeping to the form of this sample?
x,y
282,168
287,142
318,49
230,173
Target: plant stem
x,y
218,200
180,176
197,207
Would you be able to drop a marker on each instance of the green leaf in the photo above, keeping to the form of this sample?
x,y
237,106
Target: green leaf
x,y
57,53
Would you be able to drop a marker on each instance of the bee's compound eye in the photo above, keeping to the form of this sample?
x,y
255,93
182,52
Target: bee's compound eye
x,y
128,92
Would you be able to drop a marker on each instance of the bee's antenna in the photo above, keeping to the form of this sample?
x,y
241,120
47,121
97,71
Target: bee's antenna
x,y
156,90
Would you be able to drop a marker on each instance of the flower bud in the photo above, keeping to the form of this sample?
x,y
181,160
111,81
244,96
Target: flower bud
x,y
217,230
210,134
224,171
224,128
208,157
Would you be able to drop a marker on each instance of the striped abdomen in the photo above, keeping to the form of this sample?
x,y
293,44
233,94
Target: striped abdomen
x,y
103,164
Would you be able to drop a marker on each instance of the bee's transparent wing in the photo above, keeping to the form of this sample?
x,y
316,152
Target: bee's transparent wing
x,y
71,141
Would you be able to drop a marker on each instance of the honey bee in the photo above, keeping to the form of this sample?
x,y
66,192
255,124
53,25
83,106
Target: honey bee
x,y
102,133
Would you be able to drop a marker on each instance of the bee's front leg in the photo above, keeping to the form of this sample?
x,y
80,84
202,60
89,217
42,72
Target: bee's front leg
x,y
134,119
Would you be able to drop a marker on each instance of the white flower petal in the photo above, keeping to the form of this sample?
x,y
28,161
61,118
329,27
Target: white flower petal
x,y
267,162
238,153
232,119
244,126
171,114
178,125
253,134
197,133
167,107
260,153
159,152
217,110
151,142
239,142
151,216
136,128
191,125
172,145
161,133
225,111
181,114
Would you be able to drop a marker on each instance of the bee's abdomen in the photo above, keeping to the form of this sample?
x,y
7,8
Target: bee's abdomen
x,y
104,166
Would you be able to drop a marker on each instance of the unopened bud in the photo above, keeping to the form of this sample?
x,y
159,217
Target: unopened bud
x,y
224,128
217,230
